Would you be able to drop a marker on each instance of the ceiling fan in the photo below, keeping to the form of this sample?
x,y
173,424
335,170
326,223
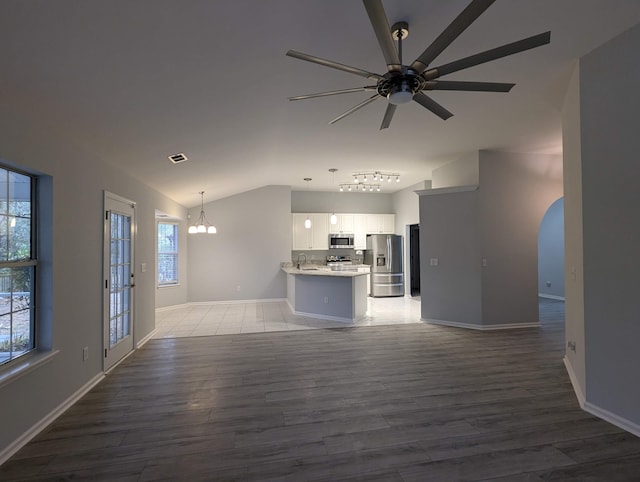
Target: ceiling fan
x,y
404,83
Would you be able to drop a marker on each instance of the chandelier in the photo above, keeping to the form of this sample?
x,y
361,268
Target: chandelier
x,y
202,225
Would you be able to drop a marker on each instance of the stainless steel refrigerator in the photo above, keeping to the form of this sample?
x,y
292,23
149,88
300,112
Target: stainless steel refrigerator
x,y
384,256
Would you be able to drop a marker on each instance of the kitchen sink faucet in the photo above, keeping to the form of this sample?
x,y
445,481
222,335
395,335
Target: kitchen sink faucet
x,y
305,259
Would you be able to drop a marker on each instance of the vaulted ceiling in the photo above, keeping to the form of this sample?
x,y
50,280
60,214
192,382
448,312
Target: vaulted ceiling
x,y
137,81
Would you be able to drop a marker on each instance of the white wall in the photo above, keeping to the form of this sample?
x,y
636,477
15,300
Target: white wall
x,y
242,261
551,252
611,225
75,308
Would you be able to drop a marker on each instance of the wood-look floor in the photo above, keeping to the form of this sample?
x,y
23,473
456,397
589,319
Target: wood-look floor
x,y
404,402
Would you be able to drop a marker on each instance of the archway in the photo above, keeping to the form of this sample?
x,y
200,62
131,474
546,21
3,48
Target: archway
x,y
551,263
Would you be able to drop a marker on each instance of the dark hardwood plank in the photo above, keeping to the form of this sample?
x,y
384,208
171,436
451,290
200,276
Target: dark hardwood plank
x,y
396,402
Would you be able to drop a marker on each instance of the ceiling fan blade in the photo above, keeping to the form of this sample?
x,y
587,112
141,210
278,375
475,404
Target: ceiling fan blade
x,y
468,86
380,25
489,55
333,65
334,92
388,115
455,28
432,105
353,109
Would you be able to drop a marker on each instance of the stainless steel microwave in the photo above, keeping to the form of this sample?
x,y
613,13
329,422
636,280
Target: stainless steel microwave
x,y
340,241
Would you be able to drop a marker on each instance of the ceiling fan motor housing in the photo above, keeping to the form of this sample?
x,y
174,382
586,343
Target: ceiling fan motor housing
x,y
400,87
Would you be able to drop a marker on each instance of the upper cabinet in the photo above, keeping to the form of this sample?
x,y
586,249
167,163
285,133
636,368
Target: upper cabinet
x,y
344,224
360,231
380,223
316,237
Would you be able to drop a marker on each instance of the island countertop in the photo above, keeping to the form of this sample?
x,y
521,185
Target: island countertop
x,y
312,270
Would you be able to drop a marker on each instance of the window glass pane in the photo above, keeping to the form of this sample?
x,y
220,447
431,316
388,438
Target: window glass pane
x,y
16,312
19,238
4,191
167,253
19,195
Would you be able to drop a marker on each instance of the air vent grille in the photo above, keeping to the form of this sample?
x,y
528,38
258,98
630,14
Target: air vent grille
x,y
178,158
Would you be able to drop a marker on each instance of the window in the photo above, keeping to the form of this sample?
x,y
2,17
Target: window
x,y
167,254
17,265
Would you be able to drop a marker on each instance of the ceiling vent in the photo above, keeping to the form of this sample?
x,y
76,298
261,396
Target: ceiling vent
x,y
178,158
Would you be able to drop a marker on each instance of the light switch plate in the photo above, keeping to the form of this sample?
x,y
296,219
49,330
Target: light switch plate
x,y
434,262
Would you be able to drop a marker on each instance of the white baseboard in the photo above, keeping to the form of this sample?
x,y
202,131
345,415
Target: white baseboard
x,y
471,326
223,302
44,422
551,297
324,317
146,339
612,418
606,415
574,382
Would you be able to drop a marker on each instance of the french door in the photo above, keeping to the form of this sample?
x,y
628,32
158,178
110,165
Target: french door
x,y
118,306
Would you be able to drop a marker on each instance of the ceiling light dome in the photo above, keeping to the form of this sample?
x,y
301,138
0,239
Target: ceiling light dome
x,y
400,94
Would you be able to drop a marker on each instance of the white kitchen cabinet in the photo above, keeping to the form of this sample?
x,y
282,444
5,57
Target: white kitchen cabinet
x,y
360,231
317,237
344,224
380,223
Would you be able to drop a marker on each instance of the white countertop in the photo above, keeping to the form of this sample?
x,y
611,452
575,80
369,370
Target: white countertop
x,y
319,270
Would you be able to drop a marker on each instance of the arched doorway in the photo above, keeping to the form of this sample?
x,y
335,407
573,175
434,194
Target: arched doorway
x,y
551,263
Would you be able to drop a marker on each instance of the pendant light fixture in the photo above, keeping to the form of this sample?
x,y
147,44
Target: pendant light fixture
x,y
307,222
333,219
202,225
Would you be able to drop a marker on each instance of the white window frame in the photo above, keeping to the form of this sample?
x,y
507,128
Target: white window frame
x,y
176,254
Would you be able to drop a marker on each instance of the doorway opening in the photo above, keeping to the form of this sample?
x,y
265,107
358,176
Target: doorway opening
x,y
551,263
414,259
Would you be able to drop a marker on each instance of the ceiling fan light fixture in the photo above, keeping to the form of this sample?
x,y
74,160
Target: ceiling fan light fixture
x,y
400,97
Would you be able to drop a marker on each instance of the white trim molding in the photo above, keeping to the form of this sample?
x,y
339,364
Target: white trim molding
x,y
472,326
551,297
574,381
146,339
21,441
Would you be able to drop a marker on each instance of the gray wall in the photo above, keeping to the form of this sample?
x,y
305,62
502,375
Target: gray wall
x,y
341,202
551,252
498,223
254,237
463,172
75,309
610,145
450,291
515,191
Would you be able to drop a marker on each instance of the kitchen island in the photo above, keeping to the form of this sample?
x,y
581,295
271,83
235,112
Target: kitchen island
x,y
319,292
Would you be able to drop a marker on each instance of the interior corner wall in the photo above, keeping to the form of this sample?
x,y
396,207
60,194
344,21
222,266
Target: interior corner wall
x,y
450,290
515,191
462,172
407,212
573,251
242,261
609,106
78,179
551,252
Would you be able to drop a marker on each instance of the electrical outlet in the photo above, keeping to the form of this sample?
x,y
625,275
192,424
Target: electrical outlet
x,y
85,353
484,262
571,345
238,288
548,283
326,299
433,261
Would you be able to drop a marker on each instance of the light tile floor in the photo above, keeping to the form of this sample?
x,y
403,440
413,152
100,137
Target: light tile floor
x,y
255,317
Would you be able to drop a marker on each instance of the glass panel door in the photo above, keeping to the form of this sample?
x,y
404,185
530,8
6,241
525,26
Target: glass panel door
x,y
119,279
